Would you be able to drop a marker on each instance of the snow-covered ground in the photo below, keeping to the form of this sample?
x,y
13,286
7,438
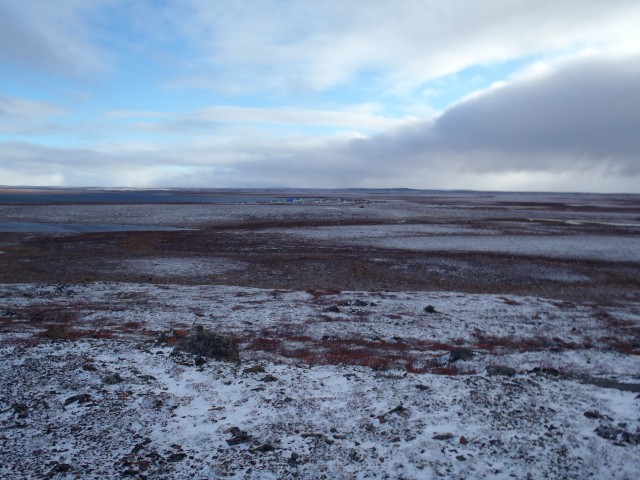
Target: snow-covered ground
x,y
434,238
329,385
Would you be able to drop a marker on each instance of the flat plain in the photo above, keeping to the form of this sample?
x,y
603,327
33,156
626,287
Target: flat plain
x,y
381,334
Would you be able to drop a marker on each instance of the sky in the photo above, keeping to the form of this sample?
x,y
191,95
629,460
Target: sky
x,y
518,95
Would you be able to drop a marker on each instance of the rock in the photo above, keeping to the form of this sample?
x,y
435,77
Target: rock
x,y
554,372
89,367
237,436
617,435
269,378
211,345
254,369
424,388
267,447
502,370
461,353
592,414
20,410
443,436
430,309
461,458
112,379
80,398
400,411
463,440
354,456
59,468
332,309
176,457
199,361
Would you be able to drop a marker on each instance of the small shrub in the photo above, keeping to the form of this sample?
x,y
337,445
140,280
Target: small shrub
x,y
207,344
55,332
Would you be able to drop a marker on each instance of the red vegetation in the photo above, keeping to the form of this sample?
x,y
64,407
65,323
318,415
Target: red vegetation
x,y
445,371
131,327
322,293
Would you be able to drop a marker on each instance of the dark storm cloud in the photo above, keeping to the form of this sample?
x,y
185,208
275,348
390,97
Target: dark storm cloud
x,y
582,114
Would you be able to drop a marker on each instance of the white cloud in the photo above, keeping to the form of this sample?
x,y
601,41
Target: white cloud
x,y
21,115
359,118
318,45
52,36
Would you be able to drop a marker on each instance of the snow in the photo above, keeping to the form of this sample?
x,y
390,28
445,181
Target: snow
x,y
430,238
341,420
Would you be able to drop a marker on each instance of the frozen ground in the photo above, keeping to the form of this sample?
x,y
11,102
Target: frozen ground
x,y
381,334
430,239
329,385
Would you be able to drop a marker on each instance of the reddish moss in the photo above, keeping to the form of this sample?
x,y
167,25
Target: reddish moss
x,y
322,293
445,371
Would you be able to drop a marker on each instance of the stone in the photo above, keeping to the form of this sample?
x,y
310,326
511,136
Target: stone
x,y
20,410
592,414
443,436
237,436
112,379
211,345
176,457
267,447
254,369
554,372
430,309
80,398
502,370
58,469
618,435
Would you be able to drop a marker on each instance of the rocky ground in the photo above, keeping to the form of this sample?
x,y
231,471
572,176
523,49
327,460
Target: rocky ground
x,y
329,354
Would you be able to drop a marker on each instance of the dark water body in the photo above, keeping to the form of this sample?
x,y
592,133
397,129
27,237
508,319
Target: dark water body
x,y
80,196
33,227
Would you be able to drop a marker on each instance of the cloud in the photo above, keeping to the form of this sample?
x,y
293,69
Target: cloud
x,y
581,115
310,45
52,36
357,118
573,128
21,115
